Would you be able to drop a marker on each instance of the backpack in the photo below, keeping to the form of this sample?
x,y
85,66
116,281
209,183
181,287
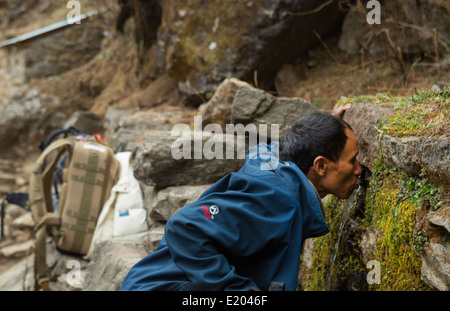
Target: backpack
x,y
82,170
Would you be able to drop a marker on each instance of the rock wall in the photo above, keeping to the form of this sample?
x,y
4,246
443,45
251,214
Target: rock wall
x,y
399,222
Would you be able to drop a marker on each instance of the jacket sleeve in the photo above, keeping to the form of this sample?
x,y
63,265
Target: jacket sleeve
x,y
245,223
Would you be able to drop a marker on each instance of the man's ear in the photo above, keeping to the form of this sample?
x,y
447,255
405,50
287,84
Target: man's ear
x,y
320,165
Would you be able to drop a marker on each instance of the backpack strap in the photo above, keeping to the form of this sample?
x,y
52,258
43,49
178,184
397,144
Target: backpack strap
x,y
71,130
41,178
42,209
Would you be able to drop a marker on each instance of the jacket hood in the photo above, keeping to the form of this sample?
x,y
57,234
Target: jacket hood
x,y
265,157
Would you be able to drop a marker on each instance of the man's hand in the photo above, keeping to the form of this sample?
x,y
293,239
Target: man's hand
x,y
339,112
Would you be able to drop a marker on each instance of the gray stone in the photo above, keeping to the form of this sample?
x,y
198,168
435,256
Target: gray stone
x,y
412,154
113,119
351,28
16,250
23,222
364,120
110,264
156,235
436,266
306,261
85,121
255,106
156,166
440,217
28,118
19,277
131,127
218,109
13,212
60,265
368,243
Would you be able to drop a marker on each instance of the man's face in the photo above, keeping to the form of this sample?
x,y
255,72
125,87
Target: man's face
x,y
341,178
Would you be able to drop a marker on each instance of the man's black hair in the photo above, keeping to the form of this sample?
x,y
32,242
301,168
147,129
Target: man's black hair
x,y
313,135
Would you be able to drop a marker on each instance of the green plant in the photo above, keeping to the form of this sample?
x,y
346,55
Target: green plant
x,y
446,93
425,113
419,241
391,205
420,191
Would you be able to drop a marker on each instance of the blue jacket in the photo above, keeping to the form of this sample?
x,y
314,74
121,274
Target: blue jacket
x,y
245,231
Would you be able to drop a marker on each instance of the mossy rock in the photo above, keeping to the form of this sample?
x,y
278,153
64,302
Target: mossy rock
x,y
405,141
393,204
411,132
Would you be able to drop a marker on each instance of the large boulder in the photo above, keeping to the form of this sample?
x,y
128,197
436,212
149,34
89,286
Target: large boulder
x,y
436,266
202,42
26,117
111,262
414,154
440,217
364,119
409,154
131,127
218,109
425,21
156,164
255,106
19,277
85,121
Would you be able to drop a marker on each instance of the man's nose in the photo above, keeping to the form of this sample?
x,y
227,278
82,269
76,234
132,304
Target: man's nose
x,y
358,169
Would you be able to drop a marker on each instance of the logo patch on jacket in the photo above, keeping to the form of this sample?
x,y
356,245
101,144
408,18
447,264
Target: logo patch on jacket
x,y
211,211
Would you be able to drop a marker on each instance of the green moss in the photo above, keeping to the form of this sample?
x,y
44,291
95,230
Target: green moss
x,y
322,252
394,214
323,247
426,113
